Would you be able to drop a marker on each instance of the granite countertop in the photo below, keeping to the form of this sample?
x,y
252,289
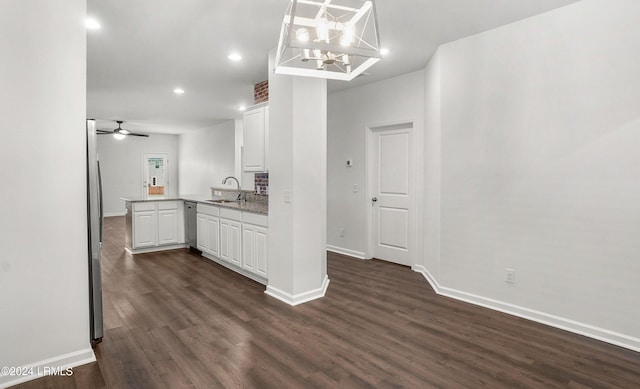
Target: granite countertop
x,y
249,206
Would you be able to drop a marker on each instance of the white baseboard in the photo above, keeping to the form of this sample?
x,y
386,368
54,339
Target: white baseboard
x,y
347,252
49,366
236,269
301,298
562,323
156,248
111,214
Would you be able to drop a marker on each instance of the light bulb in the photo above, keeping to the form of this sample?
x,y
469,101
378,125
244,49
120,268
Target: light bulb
x,y
302,34
322,31
119,136
305,54
348,35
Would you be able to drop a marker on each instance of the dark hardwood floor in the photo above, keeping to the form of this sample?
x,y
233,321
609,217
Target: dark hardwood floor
x,y
175,319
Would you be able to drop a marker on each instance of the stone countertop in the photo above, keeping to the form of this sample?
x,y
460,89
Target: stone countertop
x,y
249,206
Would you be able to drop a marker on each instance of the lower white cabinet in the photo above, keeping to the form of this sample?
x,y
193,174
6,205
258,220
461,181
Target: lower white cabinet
x,y
230,241
209,234
254,249
168,226
235,239
154,225
144,229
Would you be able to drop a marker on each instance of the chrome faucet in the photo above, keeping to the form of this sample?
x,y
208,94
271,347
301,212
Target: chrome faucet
x,y
241,195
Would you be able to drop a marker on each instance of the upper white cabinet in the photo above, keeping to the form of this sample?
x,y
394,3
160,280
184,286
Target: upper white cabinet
x,y
255,139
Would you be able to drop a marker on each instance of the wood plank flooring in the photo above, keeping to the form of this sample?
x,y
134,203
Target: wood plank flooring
x,y
177,320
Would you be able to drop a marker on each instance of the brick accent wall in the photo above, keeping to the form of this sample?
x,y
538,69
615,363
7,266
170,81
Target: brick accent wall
x,y
261,92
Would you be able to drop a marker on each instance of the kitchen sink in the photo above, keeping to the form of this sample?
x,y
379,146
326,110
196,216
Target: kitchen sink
x,y
222,201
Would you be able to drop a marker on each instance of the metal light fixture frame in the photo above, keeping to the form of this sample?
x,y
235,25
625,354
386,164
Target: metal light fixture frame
x,y
339,62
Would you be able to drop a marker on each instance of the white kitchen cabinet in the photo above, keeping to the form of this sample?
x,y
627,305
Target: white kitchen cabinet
x,y
254,249
235,239
154,225
203,233
255,139
145,229
167,226
208,224
209,234
230,241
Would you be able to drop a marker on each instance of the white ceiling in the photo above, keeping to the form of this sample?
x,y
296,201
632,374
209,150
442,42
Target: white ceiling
x,y
146,48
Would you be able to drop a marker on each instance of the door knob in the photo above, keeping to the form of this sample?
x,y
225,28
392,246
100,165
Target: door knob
x,y
374,199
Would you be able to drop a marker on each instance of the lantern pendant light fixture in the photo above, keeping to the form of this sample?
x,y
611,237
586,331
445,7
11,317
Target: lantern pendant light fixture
x,y
334,39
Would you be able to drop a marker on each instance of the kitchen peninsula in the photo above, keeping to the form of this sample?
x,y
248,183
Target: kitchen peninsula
x,y
229,232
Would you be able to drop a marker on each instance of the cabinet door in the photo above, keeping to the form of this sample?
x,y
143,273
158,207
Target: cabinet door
x,y
248,255
253,141
224,239
260,250
145,229
203,233
213,230
266,138
168,226
235,242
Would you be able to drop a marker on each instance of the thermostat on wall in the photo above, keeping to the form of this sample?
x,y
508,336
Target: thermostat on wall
x,y
349,162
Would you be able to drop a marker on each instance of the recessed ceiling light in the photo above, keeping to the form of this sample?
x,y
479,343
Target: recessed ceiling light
x,y
178,91
92,24
242,108
384,51
235,57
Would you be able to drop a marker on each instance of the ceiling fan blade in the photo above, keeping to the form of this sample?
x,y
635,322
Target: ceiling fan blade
x,y
134,134
104,131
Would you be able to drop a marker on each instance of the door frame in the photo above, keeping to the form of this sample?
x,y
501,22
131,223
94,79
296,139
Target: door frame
x,y
145,157
370,130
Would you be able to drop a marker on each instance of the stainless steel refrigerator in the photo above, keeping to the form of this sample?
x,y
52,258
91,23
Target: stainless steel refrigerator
x,y
95,219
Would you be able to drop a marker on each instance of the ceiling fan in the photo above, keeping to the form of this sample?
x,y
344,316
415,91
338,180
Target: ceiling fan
x,y
118,133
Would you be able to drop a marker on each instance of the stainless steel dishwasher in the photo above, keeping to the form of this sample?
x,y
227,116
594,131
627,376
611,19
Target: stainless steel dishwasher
x,y
191,223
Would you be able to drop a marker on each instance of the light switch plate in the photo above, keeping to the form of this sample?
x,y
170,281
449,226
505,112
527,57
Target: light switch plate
x,y
287,196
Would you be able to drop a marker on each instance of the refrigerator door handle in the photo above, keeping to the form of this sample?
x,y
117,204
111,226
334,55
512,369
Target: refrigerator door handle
x,y
101,211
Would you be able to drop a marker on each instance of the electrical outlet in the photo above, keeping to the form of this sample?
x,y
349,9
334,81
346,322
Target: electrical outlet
x,y
510,275
342,232
356,189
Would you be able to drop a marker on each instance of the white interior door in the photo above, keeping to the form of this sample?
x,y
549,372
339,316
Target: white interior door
x,y
392,194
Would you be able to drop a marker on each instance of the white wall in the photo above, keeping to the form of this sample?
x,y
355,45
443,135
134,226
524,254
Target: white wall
x,y
122,168
350,111
297,163
432,167
44,294
207,156
239,126
540,132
